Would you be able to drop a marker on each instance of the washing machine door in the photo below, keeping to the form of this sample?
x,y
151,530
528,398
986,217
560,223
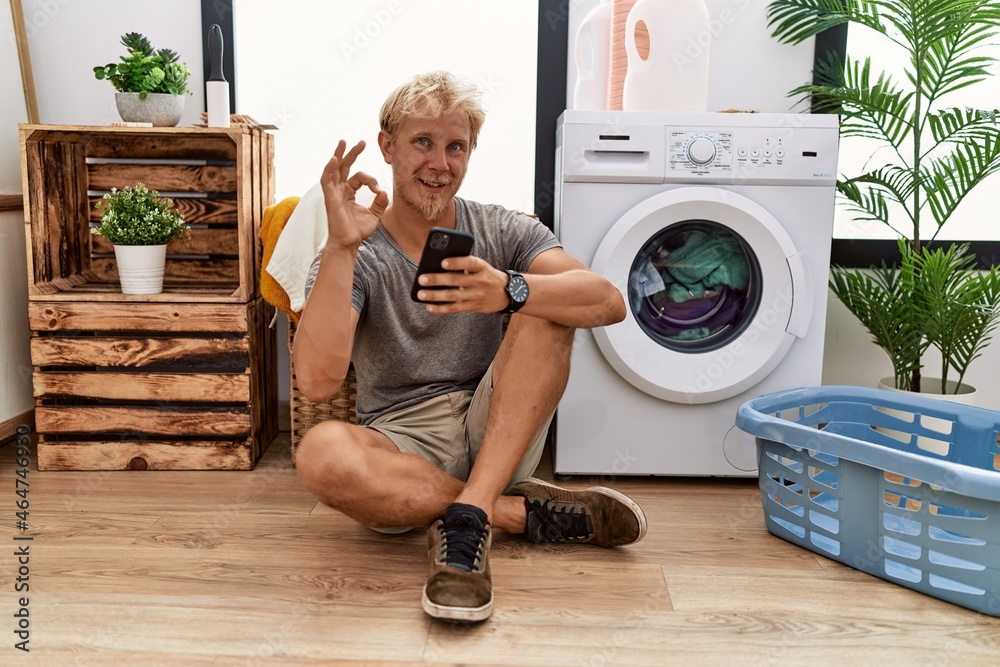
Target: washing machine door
x,y
716,294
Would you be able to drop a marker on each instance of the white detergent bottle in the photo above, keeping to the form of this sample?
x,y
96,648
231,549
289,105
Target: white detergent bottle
x,y
593,59
667,43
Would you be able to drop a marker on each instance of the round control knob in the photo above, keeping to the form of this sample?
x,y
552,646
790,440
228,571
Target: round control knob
x,y
701,151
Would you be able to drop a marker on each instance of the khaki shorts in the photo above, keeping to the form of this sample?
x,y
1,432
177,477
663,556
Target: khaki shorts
x,y
448,430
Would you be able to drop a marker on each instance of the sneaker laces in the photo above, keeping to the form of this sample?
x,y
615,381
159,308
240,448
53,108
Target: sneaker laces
x,y
464,530
551,522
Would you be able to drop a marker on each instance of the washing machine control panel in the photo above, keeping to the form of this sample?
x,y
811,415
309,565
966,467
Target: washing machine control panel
x,y
700,152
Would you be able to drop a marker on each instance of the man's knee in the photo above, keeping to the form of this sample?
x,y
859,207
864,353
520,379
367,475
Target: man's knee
x,y
326,456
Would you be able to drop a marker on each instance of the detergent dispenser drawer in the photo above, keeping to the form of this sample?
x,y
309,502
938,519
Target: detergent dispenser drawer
x,y
610,153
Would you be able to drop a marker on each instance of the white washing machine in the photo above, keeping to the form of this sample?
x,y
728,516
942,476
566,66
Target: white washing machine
x,y
716,228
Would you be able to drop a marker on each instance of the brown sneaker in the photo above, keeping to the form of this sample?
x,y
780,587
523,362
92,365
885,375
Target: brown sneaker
x,y
597,514
460,587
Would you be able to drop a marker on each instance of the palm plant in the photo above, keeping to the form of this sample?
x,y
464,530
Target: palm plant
x,y
936,156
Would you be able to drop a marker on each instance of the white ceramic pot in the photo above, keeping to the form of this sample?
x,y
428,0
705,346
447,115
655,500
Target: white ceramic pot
x,y
140,268
160,109
966,395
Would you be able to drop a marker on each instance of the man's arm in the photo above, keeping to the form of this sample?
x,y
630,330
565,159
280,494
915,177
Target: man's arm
x,y
561,289
325,335
564,290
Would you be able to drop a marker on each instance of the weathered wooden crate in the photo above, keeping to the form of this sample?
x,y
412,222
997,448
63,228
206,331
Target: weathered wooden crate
x,y
184,386
219,178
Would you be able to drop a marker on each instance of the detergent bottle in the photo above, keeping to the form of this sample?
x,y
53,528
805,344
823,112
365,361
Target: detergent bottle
x,y
667,43
619,59
593,56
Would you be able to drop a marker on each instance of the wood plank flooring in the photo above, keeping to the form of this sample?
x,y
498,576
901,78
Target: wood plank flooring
x,y
226,569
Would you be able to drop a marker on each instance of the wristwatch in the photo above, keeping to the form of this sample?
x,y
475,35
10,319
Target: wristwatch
x,y
517,291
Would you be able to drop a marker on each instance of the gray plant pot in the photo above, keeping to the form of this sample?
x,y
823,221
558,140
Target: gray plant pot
x,y
160,109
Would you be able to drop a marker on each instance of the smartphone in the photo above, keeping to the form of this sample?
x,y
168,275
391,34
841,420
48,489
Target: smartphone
x,y
441,243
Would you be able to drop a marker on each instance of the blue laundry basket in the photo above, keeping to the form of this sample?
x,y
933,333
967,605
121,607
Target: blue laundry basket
x,y
903,487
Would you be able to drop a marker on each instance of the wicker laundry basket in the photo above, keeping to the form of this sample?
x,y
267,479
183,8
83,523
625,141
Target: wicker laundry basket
x,y
305,414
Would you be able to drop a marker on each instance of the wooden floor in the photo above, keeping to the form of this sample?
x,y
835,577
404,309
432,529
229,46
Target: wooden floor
x,y
227,569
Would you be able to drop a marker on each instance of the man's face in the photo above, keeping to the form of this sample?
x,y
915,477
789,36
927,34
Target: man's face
x,y
429,158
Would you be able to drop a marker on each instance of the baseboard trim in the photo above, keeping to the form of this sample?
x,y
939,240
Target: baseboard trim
x,y
8,428
11,203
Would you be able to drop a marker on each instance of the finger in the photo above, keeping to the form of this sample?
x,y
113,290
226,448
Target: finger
x,y
380,204
468,263
333,172
348,161
381,201
448,296
362,179
445,278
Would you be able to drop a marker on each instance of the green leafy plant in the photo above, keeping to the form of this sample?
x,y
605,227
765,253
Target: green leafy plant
x,y
929,158
139,216
145,70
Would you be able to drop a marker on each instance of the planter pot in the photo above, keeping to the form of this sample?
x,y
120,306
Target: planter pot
x,y
966,395
140,268
160,109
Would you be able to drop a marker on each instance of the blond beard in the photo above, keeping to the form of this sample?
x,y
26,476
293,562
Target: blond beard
x,y
431,208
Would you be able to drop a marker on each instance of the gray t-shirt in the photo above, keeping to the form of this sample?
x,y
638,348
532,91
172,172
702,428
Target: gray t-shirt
x,y
404,355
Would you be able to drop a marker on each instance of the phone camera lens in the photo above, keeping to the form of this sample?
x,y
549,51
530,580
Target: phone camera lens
x,y
439,241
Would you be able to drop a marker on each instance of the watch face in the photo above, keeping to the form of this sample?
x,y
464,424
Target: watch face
x,y
517,289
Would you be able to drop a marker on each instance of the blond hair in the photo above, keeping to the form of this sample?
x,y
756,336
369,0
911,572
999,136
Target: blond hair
x,y
429,96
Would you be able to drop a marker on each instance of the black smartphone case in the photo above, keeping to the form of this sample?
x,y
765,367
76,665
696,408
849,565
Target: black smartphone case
x,y
441,243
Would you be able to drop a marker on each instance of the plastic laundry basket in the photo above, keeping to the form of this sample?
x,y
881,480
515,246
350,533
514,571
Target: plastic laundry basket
x,y
906,488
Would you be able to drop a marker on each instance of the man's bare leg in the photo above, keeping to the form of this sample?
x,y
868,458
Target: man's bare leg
x,y
529,376
360,472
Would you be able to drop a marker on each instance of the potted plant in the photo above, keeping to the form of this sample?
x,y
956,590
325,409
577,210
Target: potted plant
x,y
929,158
151,84
139,224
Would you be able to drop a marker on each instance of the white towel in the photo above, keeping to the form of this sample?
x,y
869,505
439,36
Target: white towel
x,y
304,235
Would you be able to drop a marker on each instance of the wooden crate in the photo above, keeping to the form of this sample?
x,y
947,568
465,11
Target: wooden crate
x,y
219,178
153,386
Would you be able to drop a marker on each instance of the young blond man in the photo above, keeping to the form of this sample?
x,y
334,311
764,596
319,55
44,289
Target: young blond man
x,y
453,412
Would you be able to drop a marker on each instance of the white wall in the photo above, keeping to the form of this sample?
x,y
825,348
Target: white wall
x,y
68,38
369,47
15,360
